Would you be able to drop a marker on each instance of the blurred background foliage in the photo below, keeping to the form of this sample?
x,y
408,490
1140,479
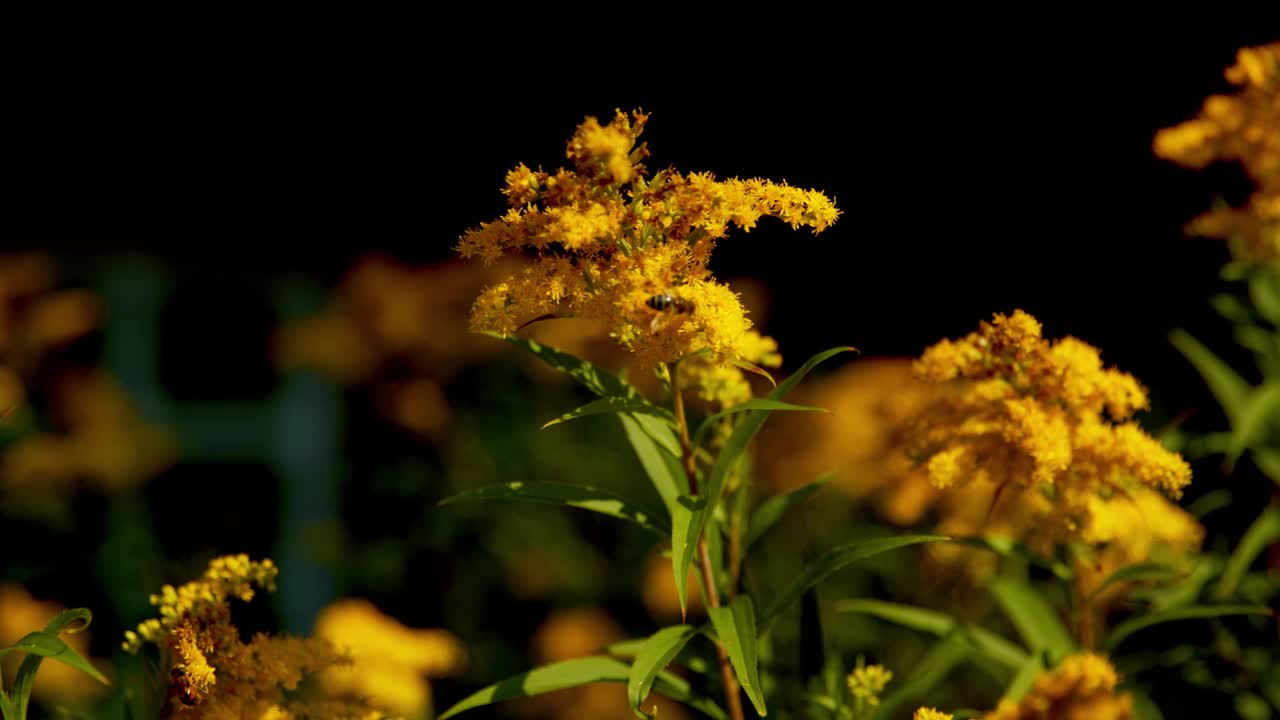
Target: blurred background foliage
x,y
230,321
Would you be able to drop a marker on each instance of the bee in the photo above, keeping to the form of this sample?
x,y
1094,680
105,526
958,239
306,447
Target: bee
x,y
179,689
667,303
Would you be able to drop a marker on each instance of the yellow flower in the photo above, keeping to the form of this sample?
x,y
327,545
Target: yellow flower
x,y
1244,127
605,238
866,682
1082,687
1041,423
212,670
390,662
925,713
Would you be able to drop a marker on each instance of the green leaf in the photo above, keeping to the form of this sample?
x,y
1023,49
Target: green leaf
x,y
1024,679
1226,385
931,670
1034,619
836,559
606,405
682,523
734,447
44,645
598,381
1129,627
1140,571
984,642
736,627
1144,708
1260,407
657,652
1264,291
772,510
583,497
575,672
752,404
1261,533
659,452
628,649
1268,461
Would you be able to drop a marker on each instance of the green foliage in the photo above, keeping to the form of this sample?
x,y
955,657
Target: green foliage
x,y
577,496
652,659
736,628
38,646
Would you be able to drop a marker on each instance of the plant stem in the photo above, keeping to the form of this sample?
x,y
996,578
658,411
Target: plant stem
x,y
731,694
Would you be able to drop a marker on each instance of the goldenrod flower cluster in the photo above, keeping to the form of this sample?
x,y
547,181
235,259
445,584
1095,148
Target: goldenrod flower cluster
x,y
1244,127
212,670
605,238
390,663
867,682
926,713
1042,422
1081,687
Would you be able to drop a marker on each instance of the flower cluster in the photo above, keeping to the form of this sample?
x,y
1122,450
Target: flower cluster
x,y
1041,422
610,242
1244,127
1081,686
927,713
390,663
212,670
866,682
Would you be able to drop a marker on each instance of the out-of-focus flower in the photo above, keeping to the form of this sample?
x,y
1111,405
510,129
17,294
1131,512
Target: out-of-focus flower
x,y
578,632
103,441
391,663
1244,127
399,329
1044,425
866,682
861,443
611,243
926,713
212,671
1081,687
20,614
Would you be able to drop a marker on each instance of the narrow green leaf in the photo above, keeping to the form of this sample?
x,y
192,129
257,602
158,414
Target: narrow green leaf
x,y
985,642
583,497
752,404
836,559
930,671
44,645
607,405
1260,407
659,452
628,649
1140,571
1144,708
736,627
682,543
1209,502
755,369
1264,291
1129,627
657,652
1025,678
1034,619
1226,384
598,381
734,447
1268,461
772,510
1261,533
575,672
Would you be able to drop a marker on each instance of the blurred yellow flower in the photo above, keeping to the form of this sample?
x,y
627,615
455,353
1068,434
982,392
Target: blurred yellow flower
x,y
391,663
1081,687
1043,425
213,673
610,242
20,613
1244,127
925,713
866,682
